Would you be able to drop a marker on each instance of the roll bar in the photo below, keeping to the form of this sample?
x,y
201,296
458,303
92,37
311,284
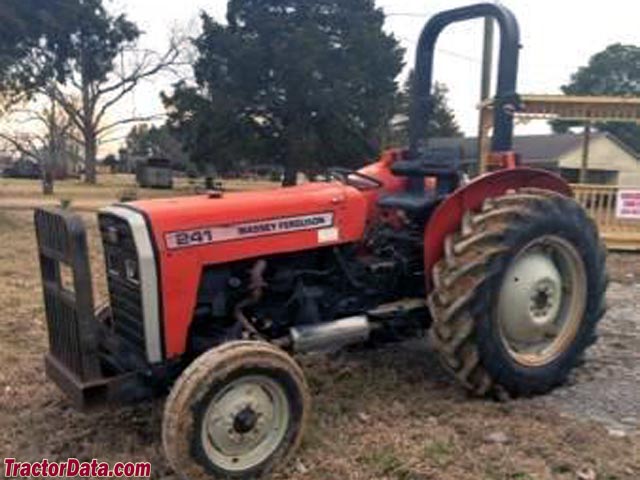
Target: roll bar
x,y
506,97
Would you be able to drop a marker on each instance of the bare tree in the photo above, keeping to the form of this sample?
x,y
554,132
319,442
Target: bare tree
x,y
47,136
99,96
100,63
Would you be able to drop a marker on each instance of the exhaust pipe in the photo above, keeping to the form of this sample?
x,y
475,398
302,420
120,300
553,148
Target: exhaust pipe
x,y
330,335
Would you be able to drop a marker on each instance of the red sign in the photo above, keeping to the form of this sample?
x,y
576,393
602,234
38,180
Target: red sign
x,y
628,205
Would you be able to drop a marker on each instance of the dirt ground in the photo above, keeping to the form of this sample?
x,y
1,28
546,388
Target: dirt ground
x,y
389,414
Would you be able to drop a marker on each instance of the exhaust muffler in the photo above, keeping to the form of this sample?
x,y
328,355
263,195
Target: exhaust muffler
x,y
331,335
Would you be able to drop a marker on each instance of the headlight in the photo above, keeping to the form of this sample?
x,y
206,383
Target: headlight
x,y
131,270
111,235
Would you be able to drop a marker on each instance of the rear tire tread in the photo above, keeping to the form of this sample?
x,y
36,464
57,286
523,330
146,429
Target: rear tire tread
x,y
459,277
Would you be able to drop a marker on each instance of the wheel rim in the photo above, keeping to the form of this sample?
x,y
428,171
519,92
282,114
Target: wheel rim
x,y
245,423
542,301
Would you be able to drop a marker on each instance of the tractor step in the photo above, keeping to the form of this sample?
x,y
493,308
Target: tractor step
x,y
412,203
399,307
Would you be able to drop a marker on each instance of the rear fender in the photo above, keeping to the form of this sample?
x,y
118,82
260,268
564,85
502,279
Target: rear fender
x,y
448,216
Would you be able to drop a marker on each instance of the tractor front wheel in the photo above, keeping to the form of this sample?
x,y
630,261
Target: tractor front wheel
x,y
235,412
518,293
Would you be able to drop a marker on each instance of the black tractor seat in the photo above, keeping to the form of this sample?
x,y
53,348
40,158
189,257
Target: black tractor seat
x,y
413,168
442,164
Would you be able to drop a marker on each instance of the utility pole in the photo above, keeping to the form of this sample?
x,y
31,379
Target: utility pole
x,y
487,58
585,152
485,88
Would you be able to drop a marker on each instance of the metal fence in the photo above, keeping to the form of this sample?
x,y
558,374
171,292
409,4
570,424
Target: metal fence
x,y
601,202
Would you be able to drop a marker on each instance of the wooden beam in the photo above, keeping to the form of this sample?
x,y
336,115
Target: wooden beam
x,y
601,109
485,91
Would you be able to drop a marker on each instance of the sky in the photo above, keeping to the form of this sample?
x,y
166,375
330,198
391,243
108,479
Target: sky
x,y
558,36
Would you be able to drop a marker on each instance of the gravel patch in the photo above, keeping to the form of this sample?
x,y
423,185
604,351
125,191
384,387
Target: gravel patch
x,y
606,388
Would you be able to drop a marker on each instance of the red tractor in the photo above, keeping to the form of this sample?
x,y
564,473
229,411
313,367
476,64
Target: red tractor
x,y
211,295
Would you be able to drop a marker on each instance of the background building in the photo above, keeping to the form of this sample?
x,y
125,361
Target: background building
x,y
611,162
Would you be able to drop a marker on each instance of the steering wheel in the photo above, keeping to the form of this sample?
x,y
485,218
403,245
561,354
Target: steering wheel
x,y
343,175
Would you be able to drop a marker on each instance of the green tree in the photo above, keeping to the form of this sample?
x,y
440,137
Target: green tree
x,y
442,122
304,84
137,141
613,71
33,30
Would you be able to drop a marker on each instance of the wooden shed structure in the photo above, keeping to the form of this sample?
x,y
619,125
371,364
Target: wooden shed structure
x,y
154,173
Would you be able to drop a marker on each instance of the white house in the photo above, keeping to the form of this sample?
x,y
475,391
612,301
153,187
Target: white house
x,y
611,162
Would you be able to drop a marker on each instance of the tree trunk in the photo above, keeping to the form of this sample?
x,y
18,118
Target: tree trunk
x,y
287,159
90,151
47,180
49,163
46,168
89,128
290,177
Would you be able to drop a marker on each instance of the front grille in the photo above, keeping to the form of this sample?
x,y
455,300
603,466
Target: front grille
x,y
123,280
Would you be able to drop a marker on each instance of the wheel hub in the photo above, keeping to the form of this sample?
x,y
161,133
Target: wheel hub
x,y
541,300
245,423
544,298
530,297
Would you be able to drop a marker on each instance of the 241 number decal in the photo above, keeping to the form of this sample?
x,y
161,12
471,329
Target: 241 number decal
x,y
194,237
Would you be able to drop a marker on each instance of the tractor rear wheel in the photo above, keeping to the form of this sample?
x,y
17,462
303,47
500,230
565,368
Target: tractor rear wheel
x,y
235,412
518,293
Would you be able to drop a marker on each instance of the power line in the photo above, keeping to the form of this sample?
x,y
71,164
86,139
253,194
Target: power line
x,y
407,14
451,53
461,56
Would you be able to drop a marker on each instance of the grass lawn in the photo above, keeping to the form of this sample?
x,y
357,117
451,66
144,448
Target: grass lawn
x,y
389,414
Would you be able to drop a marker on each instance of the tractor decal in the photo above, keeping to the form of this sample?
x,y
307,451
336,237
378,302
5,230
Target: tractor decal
x,y
207,235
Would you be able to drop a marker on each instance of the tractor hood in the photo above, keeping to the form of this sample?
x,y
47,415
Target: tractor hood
x,y
176,239
231,226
